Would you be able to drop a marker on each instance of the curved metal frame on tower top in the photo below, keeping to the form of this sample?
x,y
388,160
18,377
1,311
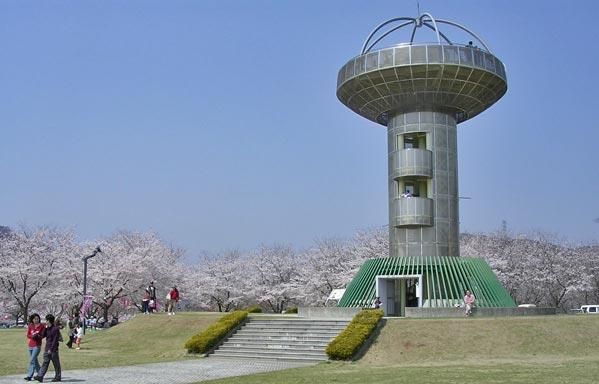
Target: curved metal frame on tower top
x,y
424,19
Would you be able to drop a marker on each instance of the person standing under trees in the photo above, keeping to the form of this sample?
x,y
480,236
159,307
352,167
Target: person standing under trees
x,y
152,292
173,300
167,303
52,335
72,324
469,302
145,303
35,330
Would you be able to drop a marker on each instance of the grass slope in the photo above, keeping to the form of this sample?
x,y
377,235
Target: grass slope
x,y
543,349
144,339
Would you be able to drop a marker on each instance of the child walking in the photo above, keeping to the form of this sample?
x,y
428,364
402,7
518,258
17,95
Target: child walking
x,y
79,336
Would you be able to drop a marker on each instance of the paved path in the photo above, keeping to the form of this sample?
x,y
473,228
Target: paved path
x,y
178,372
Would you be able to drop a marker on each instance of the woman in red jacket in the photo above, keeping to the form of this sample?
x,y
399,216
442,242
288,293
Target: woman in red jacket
x,y
173,300
35,329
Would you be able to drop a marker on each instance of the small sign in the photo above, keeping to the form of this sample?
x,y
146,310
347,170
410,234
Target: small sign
x,y
336,294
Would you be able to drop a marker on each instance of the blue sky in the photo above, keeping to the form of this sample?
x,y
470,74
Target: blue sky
x,y
215,123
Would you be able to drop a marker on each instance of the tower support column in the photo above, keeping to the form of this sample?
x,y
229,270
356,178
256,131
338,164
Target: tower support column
x,y
423,184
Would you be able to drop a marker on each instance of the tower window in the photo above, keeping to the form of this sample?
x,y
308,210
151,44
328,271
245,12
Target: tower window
x,y
410,142
414,140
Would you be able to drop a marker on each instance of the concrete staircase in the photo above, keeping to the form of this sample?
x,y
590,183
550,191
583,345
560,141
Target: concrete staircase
x,y
284,338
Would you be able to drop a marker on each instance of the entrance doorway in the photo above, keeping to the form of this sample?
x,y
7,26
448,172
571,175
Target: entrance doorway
x,y
398,292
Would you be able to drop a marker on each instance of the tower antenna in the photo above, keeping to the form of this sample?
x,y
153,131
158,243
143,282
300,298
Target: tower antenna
x,y
418,7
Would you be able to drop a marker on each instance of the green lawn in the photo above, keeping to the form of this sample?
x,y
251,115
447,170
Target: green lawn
x,y
548,349
578,372
144,339
544,349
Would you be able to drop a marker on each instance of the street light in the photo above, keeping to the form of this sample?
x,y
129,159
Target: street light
x,y
85,258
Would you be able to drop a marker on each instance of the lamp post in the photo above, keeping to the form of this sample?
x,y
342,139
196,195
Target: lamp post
x,y
85,258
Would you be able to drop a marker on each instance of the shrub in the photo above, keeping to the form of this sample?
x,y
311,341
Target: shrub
x,y
291,310
211,336
253,309
348,342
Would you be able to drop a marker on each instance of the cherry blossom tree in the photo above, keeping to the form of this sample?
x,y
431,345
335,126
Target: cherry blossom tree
x,y
126,265
536,268
273,277
370,244
330,264
219,281
33,261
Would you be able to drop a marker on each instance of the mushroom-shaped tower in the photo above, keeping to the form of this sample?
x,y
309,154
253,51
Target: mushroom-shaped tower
x,y
421,91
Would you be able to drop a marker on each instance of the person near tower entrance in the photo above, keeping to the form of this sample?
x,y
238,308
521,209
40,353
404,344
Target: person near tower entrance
x,y
469,300
377,303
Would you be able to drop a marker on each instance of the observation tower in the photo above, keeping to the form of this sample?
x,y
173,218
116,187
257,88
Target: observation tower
x,y
420,92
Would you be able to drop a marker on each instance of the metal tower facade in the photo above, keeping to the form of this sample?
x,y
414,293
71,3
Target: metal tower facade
x,y
420,92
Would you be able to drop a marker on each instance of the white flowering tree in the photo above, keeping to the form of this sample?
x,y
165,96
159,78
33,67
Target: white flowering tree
x,y
33,265
219,281
370,244
273,277
126,265
588,256
330,264
537,268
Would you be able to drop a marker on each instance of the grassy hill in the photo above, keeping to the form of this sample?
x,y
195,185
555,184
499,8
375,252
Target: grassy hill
x,y
454,341
547,349
143,339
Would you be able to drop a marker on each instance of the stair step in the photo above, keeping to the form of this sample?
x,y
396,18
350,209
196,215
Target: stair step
x,y
279,349
296,336
284,339
292,331
311,347
300,322
264,352
294,327
317,338
257,340
280,358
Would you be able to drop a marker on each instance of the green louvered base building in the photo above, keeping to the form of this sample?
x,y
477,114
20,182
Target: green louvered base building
x,y
426,282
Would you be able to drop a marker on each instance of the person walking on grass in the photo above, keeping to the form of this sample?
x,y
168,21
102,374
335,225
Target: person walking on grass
x,y
52,335
78,336
35,330
173,300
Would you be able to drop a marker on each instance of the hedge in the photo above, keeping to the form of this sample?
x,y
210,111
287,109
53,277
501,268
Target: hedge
x,y
291,310
253,309
204,341
348,342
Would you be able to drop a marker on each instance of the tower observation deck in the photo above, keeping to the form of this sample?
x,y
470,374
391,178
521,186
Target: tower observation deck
x,y
420,92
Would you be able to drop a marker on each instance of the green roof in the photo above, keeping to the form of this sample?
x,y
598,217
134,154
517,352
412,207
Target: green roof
x,y
445,279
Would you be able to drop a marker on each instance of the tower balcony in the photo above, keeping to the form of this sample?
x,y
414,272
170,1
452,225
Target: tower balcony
x,y
411,162
412,211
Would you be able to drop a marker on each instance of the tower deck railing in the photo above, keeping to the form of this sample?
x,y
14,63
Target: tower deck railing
x,y
421,53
